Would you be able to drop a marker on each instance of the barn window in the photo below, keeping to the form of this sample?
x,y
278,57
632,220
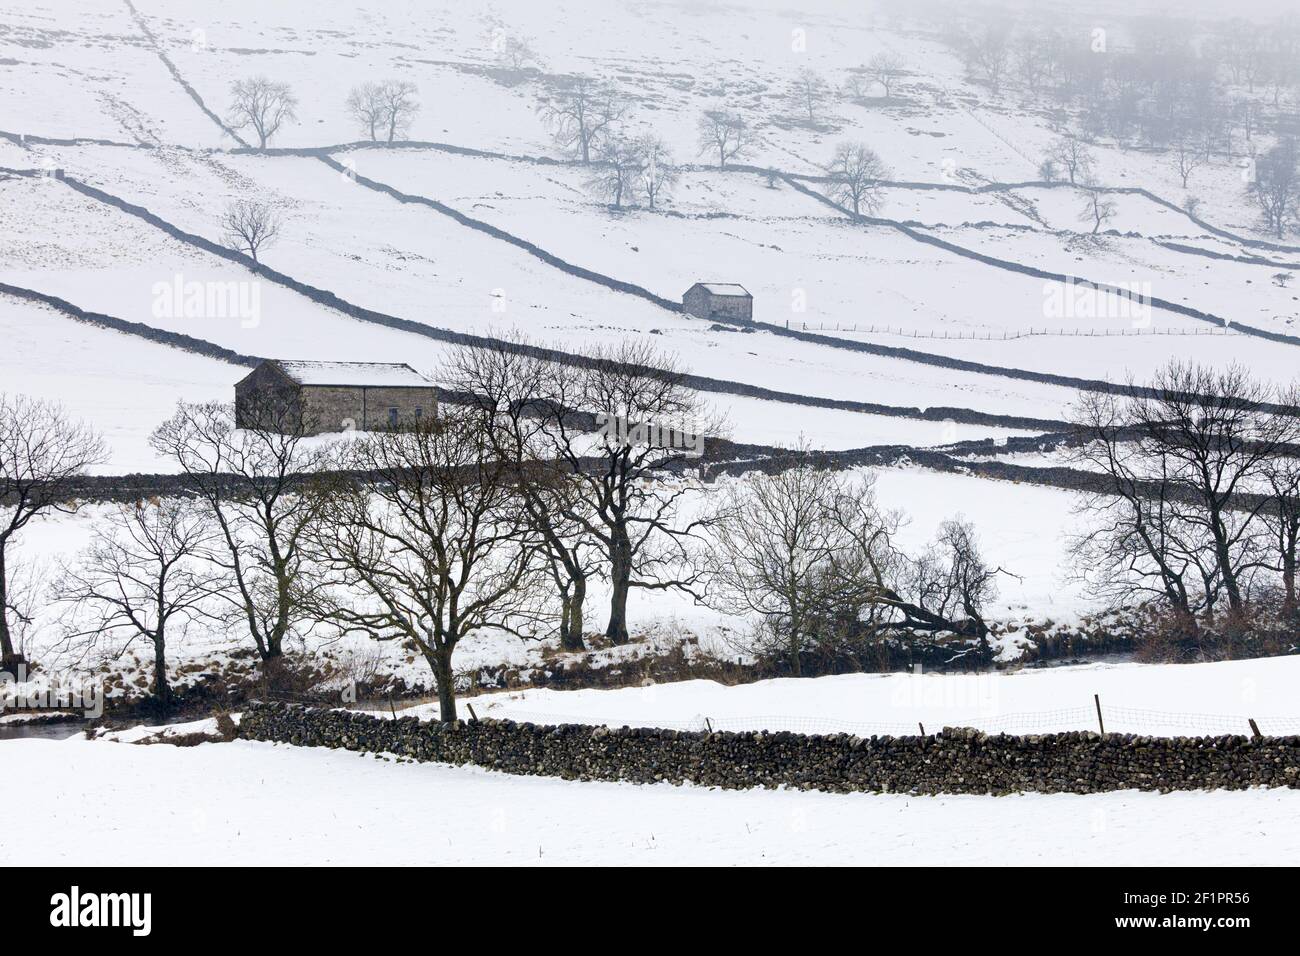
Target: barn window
x,y
419,413
392,416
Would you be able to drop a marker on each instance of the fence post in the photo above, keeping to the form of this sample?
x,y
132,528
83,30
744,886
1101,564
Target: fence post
x,y
1096,699
708,723
1254,728
470,708
922,726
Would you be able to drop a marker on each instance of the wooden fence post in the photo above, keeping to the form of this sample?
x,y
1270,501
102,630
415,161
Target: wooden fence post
x,y
1254,728
1096,699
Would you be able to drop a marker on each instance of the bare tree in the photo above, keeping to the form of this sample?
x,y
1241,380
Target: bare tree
x,y
1098,209
856,85
249,225
1186,157
24,590
434,548
987,53
580,112
1135,545
1282,519
648,420
511,391
724,134
886,68
956,583
399,106
855,177
1185,452
366,104
620,164
141,579
812,555
809,92
774,537
262,104
515,53
1072,155
658,175
252,470
1033,60
1275,186
42,454
941,592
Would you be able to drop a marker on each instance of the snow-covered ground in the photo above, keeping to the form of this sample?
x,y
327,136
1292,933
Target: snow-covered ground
x,y
103,803
1167,699
94,69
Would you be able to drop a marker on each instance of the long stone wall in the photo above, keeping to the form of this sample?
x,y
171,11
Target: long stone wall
x,y
954,761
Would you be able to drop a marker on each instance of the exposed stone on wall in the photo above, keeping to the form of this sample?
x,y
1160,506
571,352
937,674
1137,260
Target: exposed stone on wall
x,y
954,761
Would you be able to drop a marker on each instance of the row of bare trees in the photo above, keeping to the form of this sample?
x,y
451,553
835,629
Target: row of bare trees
x,y
493,515
381,110
496,515
384,109
1198,509
815,559
1164,80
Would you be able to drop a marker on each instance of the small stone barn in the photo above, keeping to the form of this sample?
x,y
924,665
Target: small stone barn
x,y
723,300
338,396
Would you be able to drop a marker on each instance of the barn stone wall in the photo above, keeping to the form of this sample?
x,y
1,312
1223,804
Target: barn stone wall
x,y
342,408
699,302
954,761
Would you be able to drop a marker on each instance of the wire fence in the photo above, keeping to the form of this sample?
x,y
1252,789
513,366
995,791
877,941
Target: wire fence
x,y
1008,336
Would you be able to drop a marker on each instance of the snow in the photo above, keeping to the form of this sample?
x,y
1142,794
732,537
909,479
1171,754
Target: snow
x,y
726,288
1165,699
244,803
362,374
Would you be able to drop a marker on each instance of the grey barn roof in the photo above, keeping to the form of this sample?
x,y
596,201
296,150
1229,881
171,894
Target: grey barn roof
x,y
724,288
353,374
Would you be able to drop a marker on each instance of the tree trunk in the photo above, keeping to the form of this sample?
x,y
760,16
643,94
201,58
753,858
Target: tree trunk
x,y
1229,577
162,691
1289,606
8,656
441,663
620,576
571,624
616,632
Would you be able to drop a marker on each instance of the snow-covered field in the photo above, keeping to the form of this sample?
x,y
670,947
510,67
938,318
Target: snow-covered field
x,y
103,77
1170,699
96,802
244,803
136,94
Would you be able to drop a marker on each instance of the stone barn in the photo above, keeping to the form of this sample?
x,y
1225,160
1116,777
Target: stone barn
x,y
337,396
719,300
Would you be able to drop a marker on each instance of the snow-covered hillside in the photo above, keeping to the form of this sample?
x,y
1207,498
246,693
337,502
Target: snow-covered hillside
x,y
227,804
114,178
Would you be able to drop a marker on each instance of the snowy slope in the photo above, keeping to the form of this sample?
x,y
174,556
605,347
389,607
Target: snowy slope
x,y
97,803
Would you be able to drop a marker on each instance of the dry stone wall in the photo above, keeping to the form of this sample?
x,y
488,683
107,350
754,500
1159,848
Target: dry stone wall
x,y
954,761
